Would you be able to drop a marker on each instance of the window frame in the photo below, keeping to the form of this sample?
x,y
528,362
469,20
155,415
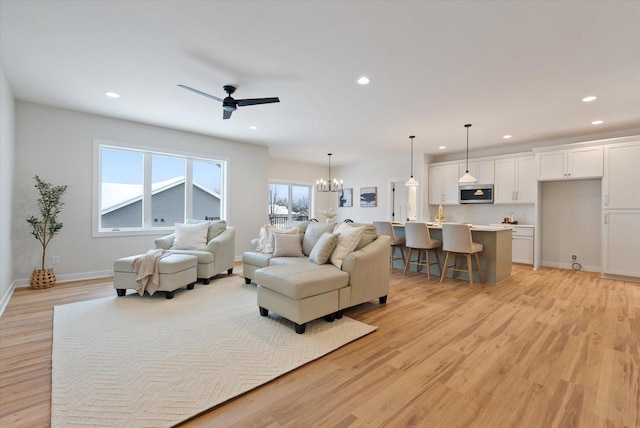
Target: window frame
x,y
290,185
147,228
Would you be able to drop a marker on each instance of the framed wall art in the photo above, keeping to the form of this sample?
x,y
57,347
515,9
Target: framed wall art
x,y
368,196
345,198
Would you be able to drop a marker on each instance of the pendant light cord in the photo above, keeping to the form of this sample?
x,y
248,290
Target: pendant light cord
x,y
412,137
468,125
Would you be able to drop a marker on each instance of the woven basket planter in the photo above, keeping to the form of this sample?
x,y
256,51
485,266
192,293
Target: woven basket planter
x,y
42,279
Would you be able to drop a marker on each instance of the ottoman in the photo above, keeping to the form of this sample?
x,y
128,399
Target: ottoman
x,y
300,292
176,271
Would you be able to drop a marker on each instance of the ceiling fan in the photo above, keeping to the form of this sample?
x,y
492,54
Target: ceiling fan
x,y
229,104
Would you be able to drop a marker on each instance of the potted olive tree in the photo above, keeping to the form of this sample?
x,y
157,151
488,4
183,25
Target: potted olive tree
x,y
46,226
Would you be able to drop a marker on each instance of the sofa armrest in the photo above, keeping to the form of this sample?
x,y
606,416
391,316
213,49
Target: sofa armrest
x,y
224,247
165,242
368,270
254,243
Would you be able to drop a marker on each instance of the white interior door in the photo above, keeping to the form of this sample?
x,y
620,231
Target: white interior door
x,y
400,201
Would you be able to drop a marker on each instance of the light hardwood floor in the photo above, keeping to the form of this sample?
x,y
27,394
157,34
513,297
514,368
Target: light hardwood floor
x,y
547,348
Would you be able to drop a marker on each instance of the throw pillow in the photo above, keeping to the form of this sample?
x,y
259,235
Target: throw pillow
x,y
190,236
348,239
265,244
312,234
216,227
287,245
369,234
323,248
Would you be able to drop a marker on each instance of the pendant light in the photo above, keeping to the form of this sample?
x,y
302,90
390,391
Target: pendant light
x,y
412,181
467,178
328,185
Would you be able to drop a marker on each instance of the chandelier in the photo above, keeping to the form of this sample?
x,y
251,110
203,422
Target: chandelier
x,y
328,185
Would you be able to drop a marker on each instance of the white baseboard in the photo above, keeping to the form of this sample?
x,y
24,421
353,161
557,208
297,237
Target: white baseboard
x,y
71,277
585,268
7,296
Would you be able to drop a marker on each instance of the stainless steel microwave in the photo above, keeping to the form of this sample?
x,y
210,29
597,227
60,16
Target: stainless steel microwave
x,y
475,194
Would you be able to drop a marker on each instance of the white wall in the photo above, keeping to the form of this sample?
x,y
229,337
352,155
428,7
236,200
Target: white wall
x,y
571,214
7,157
57,144
380,174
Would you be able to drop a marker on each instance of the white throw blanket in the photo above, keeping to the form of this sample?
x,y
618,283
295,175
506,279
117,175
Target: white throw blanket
x,y
147,268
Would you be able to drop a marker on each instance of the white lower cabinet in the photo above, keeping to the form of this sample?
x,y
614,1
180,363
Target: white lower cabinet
x,y
621,243
521,243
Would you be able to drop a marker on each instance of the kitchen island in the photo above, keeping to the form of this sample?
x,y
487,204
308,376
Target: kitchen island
x,y
495,258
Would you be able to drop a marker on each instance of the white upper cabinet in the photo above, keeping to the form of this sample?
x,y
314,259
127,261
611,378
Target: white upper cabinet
x,y
443,184
515,181
570,164
483,171
621,182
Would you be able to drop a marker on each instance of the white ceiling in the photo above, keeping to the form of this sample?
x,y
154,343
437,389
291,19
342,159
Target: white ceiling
x,y
507,67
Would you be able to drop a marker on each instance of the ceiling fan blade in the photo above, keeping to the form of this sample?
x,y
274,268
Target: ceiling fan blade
x,y
200,92
226,114
254,101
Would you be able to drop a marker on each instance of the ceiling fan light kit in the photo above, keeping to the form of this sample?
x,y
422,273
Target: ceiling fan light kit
x,y
467,178
230,104
328,185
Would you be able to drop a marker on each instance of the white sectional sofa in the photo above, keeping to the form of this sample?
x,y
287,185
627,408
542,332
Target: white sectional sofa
x,y
301,290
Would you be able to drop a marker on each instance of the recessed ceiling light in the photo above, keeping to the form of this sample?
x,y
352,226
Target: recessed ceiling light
x,y
597,122
364,80
506,137
589,99
253,127
442,147
112,94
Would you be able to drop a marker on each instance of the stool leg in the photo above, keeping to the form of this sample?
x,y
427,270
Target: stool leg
x,y
438,260
428,263
444,271
455,265
479,267
406,264
470,269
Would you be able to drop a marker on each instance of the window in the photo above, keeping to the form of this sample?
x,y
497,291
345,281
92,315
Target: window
x,y
288,202
140,190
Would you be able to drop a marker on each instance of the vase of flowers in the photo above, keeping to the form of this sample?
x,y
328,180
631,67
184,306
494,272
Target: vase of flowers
x,y
329,214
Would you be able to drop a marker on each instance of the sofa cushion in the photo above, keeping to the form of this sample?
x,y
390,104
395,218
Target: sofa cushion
x,y
276,261
369,234
323,248
287,245
190,236
204,257
348,238
301,280
256,258
300,224
312,234
216,227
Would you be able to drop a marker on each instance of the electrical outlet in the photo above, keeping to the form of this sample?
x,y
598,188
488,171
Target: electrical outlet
x,y
55,260
574,257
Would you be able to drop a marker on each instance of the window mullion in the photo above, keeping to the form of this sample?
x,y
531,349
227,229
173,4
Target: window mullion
x,y
188,190
146,192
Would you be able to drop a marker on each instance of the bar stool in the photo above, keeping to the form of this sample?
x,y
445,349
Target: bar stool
x,y
385,228
417,237
456,239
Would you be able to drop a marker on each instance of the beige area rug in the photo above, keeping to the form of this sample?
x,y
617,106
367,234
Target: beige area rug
x,y
150,362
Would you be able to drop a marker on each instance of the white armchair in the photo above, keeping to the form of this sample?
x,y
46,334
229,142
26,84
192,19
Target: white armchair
x,y
217,257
